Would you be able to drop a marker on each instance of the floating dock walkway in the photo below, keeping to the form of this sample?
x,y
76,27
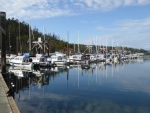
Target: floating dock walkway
x,y
7,104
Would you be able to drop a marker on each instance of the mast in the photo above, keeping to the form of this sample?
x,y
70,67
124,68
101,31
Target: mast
x,y
9,44
112,47
20,47
96,45
44,39
19,36
106,45
78,43
17,45
68,44
74,45
103,47
91,43
106,57
29,39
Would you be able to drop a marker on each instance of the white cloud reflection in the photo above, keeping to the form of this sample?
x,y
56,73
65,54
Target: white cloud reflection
x,y
54,103
124,92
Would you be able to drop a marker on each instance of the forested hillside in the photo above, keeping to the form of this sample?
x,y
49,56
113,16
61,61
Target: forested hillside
x,y
17,40
18,36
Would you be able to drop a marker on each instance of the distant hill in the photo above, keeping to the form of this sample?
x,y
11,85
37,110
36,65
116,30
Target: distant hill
x,y
18,35
148,51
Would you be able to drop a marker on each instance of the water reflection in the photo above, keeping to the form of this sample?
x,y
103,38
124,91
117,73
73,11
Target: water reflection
x,y
120,88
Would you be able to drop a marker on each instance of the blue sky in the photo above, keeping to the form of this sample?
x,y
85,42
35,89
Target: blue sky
x,y
101,22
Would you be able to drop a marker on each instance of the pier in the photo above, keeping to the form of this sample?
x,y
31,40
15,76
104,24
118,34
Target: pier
x,y
7,104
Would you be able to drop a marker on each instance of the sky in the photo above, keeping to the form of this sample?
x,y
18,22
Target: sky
x,y
100,22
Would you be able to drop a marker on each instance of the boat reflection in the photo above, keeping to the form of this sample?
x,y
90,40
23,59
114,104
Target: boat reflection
x,y
25,77
122,84
20,71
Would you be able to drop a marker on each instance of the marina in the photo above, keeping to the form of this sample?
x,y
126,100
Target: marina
x,y
121,87
75,56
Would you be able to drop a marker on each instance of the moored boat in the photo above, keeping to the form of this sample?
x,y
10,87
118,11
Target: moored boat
x,y
59,58
41,61
21,61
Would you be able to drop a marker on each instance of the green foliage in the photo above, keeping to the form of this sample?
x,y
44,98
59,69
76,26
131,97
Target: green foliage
x,y
54,43
13,41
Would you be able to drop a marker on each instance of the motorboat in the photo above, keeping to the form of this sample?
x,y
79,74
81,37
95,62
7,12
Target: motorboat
x,y
21,61
59,58
78,58
41,60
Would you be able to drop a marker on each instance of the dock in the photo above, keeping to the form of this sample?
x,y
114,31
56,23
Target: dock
x,y
7,104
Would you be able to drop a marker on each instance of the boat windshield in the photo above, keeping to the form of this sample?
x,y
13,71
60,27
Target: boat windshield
x,y
18,58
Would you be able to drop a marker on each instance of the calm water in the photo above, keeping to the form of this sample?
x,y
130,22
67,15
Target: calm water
x,y
121,88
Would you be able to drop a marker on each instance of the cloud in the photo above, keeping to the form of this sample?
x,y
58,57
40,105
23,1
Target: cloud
x,y
107,5
30,9
103,28
51,8
123,31
132,33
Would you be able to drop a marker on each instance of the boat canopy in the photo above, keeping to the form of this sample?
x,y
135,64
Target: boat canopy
x,y
27,55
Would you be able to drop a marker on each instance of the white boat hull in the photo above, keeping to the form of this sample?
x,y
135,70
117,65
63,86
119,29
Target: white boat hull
x,y
60,62
21,64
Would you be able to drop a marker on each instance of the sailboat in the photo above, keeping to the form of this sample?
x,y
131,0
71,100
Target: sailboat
x,y
24,60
